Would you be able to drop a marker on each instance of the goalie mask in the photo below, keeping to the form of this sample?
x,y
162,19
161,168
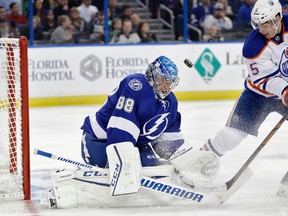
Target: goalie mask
x,y
264,11
162,75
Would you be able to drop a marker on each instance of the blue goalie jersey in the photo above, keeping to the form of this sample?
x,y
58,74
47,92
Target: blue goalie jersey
x,y
132,113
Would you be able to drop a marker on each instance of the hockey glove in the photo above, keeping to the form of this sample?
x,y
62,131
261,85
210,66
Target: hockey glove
x,y
285,97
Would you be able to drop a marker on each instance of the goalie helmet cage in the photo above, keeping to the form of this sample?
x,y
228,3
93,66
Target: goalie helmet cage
x,y
14,120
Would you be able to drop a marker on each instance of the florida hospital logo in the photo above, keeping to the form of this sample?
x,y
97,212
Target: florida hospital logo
x,y
91,68
207,65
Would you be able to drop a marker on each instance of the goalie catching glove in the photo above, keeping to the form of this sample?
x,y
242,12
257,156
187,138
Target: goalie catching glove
x,y
195,165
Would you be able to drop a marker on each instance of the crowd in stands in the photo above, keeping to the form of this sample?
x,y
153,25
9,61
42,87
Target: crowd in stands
x,y
82,21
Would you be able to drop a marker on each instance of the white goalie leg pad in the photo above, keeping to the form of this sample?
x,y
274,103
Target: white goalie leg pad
x,y
283,190
124,167
86,187
195,165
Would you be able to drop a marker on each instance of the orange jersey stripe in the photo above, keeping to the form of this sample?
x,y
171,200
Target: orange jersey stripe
x,y
257,87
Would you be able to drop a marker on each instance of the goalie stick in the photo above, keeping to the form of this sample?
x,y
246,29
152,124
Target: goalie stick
x,y
227,185
163,187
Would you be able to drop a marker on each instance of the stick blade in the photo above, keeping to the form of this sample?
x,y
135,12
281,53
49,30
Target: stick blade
x,y
243,178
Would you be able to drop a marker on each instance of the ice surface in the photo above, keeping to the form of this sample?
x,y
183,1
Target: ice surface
x,y
57,130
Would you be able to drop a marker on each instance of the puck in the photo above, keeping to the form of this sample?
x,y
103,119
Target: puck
x,y
188,63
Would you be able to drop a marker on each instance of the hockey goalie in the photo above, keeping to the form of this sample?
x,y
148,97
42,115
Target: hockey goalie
x,y
135,133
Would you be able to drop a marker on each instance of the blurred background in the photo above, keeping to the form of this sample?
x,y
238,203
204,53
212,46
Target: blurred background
x,y
126,21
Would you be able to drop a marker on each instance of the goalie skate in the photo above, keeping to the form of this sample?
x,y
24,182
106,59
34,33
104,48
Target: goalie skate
x,y
48,199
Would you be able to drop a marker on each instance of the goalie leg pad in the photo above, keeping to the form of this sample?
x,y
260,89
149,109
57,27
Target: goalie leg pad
x,y
195,165
86,187
124,168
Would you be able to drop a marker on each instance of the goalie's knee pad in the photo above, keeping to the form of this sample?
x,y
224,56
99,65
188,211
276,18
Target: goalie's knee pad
x,y
195,165
224,140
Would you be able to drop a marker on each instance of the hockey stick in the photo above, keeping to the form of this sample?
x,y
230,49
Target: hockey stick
x,y
227,185
164,187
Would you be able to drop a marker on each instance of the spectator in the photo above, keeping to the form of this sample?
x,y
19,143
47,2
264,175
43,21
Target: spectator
x,y
135,19
15,16
144,33
98,29
126,35
213,34
98,4
38,10
49,4
214,24
74,3
4,28
2,13
14,30
127,11
244,14
6,4
88,12
116,27
79,24
25,8
115,10
63,33
49,24
199,12
227,9
61,9
37,29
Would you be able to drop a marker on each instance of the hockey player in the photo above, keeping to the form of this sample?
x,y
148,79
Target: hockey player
x,y
138,127
266,89
140,118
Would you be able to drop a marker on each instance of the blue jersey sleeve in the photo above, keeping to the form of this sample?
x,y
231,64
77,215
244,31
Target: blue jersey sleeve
x,y
254,44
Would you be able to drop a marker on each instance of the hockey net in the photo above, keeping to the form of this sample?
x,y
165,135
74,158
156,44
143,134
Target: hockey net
x,y
14,120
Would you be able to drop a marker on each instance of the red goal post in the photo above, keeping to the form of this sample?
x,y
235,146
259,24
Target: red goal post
x,y
14,120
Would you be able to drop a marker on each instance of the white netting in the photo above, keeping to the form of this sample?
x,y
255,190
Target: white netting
x,y
11,179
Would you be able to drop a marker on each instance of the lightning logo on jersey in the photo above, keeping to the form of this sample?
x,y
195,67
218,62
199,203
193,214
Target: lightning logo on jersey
x,y
155,126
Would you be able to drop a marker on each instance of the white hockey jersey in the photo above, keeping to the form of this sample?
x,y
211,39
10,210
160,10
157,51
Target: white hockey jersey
x,y
267,62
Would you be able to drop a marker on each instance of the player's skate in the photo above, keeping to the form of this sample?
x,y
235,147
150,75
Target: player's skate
x,y
48,199
283,190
